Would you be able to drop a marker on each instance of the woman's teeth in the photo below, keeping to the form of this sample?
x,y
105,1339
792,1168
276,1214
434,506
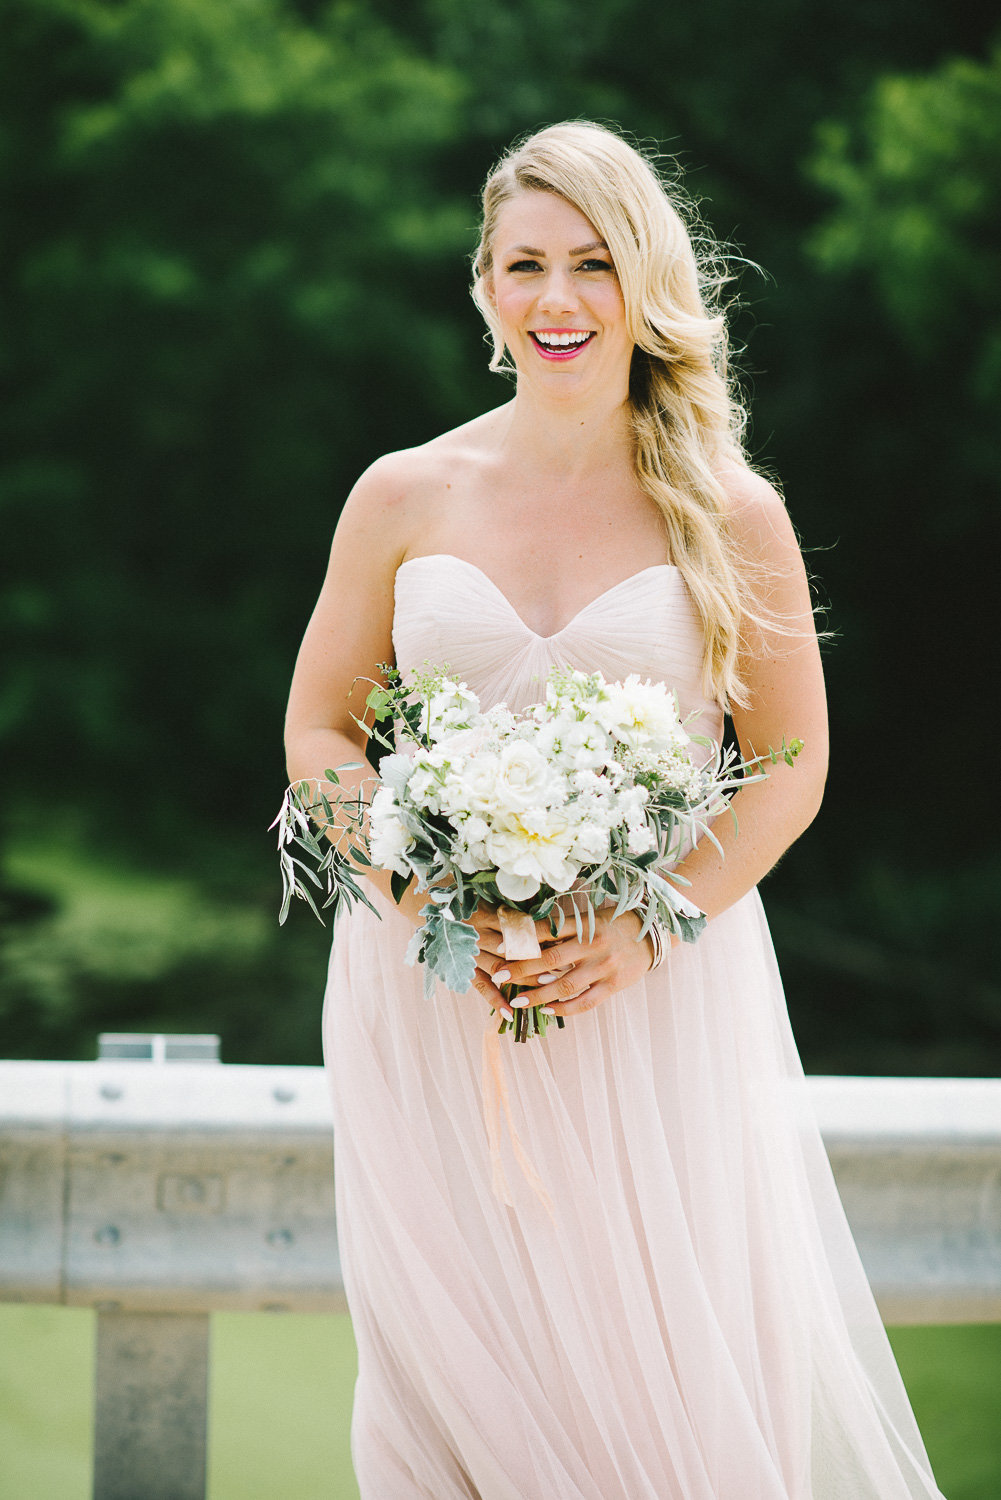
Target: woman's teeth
x,y
561,340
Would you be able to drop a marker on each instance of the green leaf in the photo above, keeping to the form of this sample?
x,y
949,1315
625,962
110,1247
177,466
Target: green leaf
x,y
690,927
450,949
398,885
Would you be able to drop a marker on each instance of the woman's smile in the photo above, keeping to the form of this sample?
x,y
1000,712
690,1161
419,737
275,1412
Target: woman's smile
x,y
561,343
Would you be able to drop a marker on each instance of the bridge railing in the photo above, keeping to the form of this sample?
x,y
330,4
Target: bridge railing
x,y
160,1192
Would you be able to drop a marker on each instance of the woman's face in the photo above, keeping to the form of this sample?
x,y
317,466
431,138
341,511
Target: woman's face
x,y
558,298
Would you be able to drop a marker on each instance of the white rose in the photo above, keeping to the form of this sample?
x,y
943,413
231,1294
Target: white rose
x,y
471,788
524,778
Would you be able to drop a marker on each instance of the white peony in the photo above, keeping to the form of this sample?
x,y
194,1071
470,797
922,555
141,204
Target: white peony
x,y
642,715
531,851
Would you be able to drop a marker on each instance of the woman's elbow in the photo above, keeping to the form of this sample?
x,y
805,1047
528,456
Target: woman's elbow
x,y
811,768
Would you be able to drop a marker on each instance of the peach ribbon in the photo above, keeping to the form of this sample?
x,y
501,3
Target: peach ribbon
x,y
495,1099
520,941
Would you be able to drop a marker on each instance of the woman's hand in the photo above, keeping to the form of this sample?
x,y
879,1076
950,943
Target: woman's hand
x,y
490,959
570,976
486,920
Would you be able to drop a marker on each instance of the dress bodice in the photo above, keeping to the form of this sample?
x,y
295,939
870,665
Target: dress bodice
x,y
448,611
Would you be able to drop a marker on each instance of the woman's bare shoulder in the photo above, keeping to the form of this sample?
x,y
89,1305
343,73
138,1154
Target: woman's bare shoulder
x,y
756,510
400,489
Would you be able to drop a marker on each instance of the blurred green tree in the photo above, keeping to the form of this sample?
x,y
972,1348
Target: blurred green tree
x,y
224,289
231,273
917,178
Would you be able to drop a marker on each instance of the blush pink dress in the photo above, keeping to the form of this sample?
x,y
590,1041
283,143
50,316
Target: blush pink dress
x,y
688,1319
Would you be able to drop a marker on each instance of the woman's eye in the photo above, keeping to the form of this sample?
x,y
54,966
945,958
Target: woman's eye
x,y
524,265
595,265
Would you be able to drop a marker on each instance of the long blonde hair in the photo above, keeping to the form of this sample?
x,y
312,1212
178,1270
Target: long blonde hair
x,y
686,414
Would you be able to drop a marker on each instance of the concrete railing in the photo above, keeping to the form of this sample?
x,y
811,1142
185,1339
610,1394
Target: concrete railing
x,y
160,1193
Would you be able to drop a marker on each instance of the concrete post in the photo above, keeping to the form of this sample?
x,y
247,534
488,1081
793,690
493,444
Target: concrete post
x,y
151,1410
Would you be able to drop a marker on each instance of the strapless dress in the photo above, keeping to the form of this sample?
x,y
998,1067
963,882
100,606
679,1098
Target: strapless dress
x,y
687,1318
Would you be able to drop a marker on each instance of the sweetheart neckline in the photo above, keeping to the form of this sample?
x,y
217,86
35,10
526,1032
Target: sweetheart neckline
x,y
465,563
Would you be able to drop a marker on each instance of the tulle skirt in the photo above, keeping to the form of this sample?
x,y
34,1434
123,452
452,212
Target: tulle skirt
x,y
674,1310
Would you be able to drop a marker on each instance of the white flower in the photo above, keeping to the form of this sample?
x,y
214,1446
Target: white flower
x,y
577,744
470,785
640,840
530,855
642,715
590,843
424,787
517,887
465,741
452,707
389,839
631,806
525,779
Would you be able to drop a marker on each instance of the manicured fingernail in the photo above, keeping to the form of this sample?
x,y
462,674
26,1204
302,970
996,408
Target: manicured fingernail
x,y
507,1011
501,949
521,1001
546,978
502,976
547,1010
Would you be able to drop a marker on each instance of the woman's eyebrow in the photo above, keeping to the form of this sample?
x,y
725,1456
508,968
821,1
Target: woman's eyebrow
x,y
541,254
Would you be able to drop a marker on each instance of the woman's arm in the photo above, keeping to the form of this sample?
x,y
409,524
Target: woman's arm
x,y
782,672
349,634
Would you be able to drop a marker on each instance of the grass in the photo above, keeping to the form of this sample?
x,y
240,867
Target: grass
x,y
279,1405
281,1400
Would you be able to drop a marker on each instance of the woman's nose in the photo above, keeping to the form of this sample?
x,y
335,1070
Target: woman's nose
x,y
559,294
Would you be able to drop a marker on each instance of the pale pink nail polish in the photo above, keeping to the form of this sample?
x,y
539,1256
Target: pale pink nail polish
x,y
502,976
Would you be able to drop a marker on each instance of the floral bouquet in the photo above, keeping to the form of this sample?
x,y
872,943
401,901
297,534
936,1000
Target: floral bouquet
x,y
595,791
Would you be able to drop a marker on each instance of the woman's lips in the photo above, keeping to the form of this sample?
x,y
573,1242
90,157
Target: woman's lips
x,y
561,351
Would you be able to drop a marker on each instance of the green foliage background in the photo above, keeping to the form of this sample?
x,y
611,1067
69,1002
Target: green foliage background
x,y
233,272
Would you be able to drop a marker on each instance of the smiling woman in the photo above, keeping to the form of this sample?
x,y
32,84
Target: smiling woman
x,y
561,299
669,1304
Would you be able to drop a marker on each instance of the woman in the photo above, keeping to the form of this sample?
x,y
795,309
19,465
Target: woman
x,y
687,1317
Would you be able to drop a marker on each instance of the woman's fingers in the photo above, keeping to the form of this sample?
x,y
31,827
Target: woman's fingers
x,y
552,961
484,985
587,1000
562,989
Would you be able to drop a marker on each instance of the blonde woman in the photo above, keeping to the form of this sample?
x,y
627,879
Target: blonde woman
x,y
679,1313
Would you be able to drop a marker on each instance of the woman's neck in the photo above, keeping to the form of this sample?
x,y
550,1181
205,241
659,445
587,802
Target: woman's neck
x,y
566,440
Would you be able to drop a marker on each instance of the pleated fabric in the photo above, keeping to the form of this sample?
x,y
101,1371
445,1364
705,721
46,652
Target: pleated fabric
x,y
688,1319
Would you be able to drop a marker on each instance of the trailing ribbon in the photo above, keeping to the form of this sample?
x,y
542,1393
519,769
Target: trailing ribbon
x,y
520,941
495,1099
